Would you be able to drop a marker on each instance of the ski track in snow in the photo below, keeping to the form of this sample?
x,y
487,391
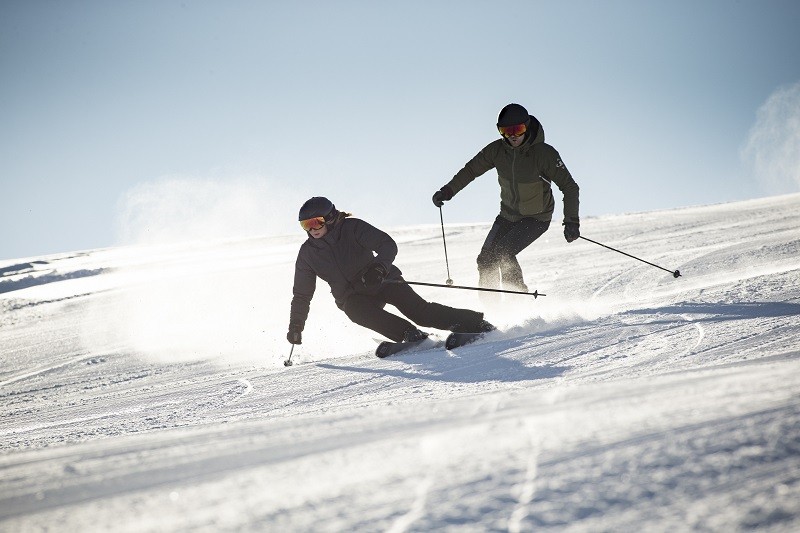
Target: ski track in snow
x,y
141,388
527,489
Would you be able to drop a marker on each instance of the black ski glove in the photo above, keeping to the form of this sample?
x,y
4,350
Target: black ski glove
x,y
442,195
572,231
294,335
374,275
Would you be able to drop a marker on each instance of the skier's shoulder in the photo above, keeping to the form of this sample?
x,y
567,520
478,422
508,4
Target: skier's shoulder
x,y
491,152
356,224
363,231
351,224
495,147
353,228
304,254
544,150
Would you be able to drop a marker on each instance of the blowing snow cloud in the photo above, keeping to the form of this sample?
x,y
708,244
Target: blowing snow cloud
x,y
772,149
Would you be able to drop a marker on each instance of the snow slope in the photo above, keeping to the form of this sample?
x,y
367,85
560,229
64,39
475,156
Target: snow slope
x,y
142,388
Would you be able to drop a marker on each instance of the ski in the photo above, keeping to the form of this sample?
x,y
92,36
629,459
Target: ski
x,y
454,340
387,348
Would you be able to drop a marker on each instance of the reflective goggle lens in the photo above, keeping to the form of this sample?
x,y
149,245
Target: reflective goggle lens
x,y
513,131
312,223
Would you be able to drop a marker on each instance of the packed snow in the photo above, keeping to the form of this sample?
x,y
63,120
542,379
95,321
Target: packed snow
x,y
143,387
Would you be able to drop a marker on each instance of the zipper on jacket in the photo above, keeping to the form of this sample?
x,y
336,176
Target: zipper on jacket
x,y
514,189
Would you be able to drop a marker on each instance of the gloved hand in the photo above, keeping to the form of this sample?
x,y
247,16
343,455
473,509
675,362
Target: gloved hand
x,y
294,335
572,231
442,195
374,275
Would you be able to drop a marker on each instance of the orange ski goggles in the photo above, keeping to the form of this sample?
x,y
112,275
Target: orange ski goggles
x,y
312,223
513,131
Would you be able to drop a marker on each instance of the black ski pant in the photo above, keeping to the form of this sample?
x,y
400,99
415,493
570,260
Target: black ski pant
x,y
497,260
368,311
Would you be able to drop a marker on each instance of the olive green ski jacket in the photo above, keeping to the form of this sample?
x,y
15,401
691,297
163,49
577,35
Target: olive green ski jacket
x,y
525,175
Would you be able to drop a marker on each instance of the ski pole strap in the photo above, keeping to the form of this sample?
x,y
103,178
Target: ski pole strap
x,y
535,294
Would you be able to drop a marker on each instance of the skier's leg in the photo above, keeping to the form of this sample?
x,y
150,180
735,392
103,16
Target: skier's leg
x,y
519,236
429,314
511,274
489,257
368,311
488,269
489,262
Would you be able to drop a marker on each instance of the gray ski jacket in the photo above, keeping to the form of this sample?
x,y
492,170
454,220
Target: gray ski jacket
x,y
340,258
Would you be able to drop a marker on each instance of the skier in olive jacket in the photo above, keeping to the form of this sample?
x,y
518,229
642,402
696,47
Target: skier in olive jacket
x,y
356,260
526,169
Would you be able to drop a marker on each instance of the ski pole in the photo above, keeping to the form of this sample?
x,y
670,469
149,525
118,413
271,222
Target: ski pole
x,y
288,362
444,242
535,294
675,274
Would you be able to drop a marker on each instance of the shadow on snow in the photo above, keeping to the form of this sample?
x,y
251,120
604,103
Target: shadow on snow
x,y
481,365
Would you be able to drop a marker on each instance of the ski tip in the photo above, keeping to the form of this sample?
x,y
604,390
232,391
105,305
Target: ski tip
x,y
382,350
387,348
456,340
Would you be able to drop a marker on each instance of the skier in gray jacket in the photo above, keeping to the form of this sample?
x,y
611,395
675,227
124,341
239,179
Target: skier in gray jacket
x,y
356,260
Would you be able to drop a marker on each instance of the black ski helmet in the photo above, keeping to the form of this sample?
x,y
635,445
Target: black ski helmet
x,y
511,115
318,206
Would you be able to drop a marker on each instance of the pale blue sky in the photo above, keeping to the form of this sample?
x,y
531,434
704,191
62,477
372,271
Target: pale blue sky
x,y
373,104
